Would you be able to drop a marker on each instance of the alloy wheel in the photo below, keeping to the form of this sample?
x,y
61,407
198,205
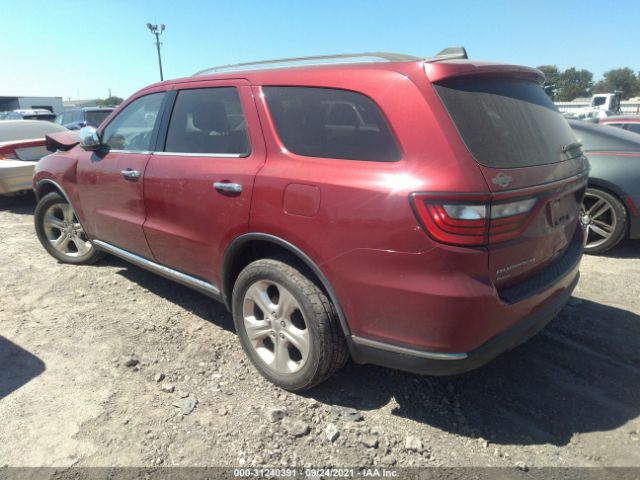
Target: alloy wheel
x,y
64,232
276,327
598,218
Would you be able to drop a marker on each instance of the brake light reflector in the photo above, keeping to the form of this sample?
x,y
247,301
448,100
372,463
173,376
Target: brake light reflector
x,y
473,220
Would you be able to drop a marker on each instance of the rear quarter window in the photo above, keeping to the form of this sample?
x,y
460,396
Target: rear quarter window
x,y
330,123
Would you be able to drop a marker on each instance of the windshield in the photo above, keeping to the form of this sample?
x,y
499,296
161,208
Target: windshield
x,y
506,122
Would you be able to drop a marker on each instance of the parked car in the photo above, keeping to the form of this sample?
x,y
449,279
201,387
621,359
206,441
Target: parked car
x,y
76,118
22,144
626,122
435,229
595,115
610,208
30,114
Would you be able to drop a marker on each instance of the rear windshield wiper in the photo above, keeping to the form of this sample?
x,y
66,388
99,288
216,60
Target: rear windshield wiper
x,y
571,146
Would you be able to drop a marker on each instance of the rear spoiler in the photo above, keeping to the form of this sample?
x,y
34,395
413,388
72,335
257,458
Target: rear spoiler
x,y
444,69
62,141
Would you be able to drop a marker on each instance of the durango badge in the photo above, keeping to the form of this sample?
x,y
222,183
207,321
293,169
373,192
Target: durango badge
x,y
502,180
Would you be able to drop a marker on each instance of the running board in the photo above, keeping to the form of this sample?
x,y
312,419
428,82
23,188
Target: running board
x,y
187,280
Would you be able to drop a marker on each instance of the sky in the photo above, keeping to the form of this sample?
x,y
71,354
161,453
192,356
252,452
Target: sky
x,y
84,49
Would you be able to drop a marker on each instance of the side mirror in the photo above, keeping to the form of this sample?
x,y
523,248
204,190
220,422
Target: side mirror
x,y
89,138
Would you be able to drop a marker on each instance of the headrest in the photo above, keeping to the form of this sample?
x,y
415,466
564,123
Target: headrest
x,y
210,116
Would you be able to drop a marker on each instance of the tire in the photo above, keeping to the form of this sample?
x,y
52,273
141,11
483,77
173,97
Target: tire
x,y
60,232
286,324
604,219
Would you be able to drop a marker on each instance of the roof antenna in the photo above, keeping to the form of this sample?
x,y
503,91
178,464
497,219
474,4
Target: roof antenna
x,y
452,53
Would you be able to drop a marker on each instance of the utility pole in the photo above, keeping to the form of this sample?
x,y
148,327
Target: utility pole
x,y
153,28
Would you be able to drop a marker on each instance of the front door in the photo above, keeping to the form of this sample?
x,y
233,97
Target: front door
x,y
111,181
198,187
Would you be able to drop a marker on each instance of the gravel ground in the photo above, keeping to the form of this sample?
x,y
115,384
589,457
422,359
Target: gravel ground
x,y
109,365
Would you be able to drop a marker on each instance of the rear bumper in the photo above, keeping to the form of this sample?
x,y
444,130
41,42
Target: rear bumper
x,y
441,363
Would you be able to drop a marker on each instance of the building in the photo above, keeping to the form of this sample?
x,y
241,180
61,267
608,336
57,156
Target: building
x,y
53,104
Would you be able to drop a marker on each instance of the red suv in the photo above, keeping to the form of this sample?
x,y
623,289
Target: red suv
x,y
417,214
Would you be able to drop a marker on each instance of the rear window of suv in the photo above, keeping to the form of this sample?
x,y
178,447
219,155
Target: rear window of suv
x,y
95,117
506,122
330,123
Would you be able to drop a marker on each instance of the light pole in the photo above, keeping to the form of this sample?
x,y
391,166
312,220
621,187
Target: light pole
x,y
154,30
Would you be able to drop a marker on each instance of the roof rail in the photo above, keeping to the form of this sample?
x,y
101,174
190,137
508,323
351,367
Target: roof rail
x,y
450,53
308,61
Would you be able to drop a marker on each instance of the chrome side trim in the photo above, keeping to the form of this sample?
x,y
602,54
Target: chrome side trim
x,y
186,154
182,154
183,278
140,152
407,351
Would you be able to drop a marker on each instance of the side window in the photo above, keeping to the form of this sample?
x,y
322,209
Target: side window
x,y
77,116
330,123
208,121
633,127
132,128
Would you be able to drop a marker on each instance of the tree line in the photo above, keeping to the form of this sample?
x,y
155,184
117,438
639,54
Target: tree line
x,y
564,86
109,101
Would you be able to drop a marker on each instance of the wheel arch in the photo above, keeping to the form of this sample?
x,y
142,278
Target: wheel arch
x,y
46,186
252,246
610,188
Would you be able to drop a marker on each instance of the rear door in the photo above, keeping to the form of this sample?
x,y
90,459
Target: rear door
x,y
198,183
531,161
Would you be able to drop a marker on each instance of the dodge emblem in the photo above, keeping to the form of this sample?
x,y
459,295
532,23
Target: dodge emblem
x,y
502,180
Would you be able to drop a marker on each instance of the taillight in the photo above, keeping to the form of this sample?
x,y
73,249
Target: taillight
x,y
471,219
11,155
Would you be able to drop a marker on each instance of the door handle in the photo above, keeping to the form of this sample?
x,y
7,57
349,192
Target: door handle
x,y
228,187
131,175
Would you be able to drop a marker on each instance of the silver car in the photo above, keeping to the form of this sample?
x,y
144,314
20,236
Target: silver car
x,y
22,144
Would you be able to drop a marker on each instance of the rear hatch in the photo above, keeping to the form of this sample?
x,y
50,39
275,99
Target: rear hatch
x,y
531,161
